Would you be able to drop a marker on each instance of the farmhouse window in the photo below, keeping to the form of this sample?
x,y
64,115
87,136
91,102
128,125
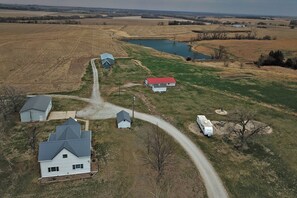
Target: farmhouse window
x,y
65,156
77,166
53,169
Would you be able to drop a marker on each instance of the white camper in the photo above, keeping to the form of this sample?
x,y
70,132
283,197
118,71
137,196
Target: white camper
x,y
205,125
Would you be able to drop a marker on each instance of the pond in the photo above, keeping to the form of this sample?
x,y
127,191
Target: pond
x,y
172,47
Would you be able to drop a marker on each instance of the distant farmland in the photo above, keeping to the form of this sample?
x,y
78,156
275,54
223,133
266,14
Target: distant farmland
x,y
50,58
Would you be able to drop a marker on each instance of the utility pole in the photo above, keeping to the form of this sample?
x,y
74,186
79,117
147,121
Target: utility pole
x,y
119,90
133,108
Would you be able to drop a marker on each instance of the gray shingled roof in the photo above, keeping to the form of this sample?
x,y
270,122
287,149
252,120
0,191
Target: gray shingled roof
x,y
67,136
39,103
122,116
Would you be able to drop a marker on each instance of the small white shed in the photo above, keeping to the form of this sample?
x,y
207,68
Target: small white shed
x,y
123,120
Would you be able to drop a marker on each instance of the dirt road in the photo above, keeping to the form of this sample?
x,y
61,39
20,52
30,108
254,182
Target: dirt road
x,y
98,109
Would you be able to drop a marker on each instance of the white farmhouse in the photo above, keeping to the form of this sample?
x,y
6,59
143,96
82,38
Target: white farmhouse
x,y
123,120
36,108
66,152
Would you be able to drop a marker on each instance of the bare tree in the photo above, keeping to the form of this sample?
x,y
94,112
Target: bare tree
x,y
11,100
220,54
160,150
245,127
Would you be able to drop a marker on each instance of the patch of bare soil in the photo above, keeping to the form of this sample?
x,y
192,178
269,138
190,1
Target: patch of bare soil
x,y
224,127
193,127
127,85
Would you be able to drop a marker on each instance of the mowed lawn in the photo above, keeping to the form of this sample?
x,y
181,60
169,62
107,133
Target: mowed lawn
x,y
269,168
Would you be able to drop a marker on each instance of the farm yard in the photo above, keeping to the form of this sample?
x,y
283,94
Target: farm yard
x,y
122,170
55,59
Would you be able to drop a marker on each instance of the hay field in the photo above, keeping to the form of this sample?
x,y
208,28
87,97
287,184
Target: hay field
x,y
50,58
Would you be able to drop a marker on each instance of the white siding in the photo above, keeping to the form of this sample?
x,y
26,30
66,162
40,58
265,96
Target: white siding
x,y
124,124
65,165
159,89
35,115
48,110
32,115
171,84
25,116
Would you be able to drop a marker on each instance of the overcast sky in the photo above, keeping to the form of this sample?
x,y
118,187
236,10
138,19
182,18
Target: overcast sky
x,y
261,7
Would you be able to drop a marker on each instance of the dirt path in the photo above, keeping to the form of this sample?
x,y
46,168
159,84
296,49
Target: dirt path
x,y
139,63
98,109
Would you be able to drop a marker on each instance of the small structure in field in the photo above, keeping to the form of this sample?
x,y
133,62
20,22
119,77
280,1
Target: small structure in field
x,y
107,60
66,152
159,88
167,81
205,125
36,108
123,120
239,25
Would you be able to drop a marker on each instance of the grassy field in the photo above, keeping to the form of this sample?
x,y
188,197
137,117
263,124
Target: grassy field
x,y
123,175
269,168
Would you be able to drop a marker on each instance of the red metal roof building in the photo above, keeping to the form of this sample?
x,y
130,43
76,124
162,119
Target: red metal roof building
x,y
168,81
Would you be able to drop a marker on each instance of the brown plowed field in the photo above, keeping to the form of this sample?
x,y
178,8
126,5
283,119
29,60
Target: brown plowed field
x,y
50,58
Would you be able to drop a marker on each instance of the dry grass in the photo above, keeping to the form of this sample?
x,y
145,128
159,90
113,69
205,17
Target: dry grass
x,y
249,50
47,58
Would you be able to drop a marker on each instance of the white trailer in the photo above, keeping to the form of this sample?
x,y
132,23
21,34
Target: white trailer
x,y
205,125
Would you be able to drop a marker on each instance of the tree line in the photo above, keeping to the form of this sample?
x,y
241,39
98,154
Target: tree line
x,y
42,19
185,23
224,35
277,58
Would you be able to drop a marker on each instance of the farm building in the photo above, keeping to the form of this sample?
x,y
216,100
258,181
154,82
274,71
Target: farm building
x,y
238,25
36,108
66,152
123,120
107,60
168,81
159,88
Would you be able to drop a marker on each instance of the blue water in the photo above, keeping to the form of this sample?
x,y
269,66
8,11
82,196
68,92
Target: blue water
x,y
172,47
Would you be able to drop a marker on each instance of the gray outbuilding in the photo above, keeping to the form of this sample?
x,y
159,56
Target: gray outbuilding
x,y
36,108
107,60
123,120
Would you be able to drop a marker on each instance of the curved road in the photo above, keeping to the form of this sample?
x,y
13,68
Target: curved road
x,y
98,109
